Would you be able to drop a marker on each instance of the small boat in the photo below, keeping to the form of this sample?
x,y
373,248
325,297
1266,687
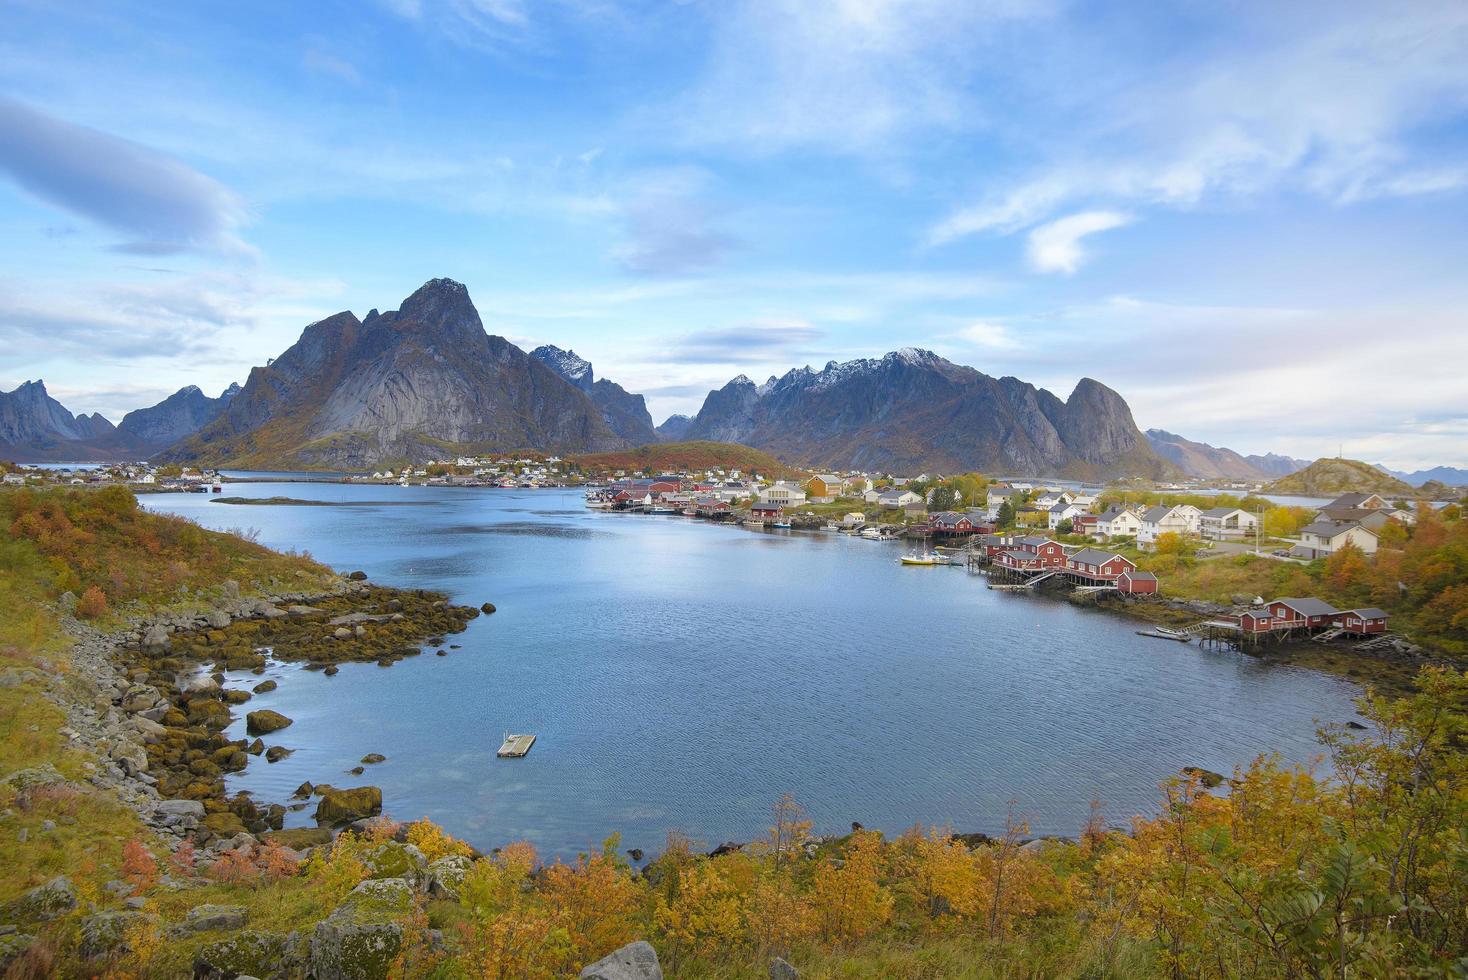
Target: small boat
x,y
660,509
926,558
218,488
515,746
781,523
871,533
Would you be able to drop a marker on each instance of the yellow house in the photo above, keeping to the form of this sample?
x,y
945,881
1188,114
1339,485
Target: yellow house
x,y
824,486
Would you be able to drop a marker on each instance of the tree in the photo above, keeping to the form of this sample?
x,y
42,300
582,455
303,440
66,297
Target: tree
x,y
1066,526
943,498
1005,517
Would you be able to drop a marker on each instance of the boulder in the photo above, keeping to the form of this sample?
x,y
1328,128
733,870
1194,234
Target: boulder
x,y
265,721
49,901
249,953
341,806
35,777
357,576
1207,777
303,791
372,758
394,860
488,607
300,838
12,945
782,970
277,752
156,637
264,687
217,619
362,938
446,876
635,961
181,808
224,824
208,918
110,933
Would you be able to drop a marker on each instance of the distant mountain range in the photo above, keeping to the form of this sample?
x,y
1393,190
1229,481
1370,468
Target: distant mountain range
x,y
426,380
912,411
1198,459
1449,475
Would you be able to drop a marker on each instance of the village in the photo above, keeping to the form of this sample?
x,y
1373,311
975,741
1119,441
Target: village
x,y
1023,536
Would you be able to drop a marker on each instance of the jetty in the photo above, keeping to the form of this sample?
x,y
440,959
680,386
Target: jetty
x,y
515,746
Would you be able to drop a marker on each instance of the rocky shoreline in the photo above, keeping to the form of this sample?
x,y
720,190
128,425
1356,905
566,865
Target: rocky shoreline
x,y
148,702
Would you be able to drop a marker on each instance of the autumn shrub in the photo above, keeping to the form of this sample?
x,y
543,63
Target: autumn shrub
x,y
92,604
430,838
139,867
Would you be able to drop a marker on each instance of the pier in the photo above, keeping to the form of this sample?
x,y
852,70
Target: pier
x,y
515,746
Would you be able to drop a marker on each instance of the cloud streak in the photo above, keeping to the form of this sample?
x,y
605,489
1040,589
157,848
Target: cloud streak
x,y
1056,247
162,205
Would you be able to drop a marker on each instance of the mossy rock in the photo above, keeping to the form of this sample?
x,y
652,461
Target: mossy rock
x,y
249,953
300,838
224,824
236,696
446,876
342,806
394,860
44,902
12,946
363,937
34,778
265,721
264,687
1209,779
112,933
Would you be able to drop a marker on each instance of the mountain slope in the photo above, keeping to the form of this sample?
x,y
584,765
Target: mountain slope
x,y
34,427
1273,464
674,428
181,414
1452,476
1202,460
1327,477
913,410
624,413
411,384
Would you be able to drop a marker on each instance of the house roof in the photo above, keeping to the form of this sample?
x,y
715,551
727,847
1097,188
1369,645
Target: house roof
x,y
1094,556
1155,514
1370,612
1333,529
1137,576
948,517
1309,606
1034,539
1005,492
1018,555
1352,500
1061,508
1223,511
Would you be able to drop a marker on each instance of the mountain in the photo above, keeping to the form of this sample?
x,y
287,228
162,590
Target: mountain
x,y
181,414
624,413
674,428
912,411
1202,460
1273,464
415,383
1328,477
1450,475
35,428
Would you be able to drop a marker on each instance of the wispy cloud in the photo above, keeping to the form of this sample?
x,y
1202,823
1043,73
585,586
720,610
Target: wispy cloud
x,y
670,226
163,205
760,341
1056,247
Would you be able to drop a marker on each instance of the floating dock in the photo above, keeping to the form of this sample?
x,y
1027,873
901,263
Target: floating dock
x,y
515,746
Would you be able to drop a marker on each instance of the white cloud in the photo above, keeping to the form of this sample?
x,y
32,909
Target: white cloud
x,y
987,336
1056,247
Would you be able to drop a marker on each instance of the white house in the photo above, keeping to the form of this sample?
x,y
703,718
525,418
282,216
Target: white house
x,y
899,498
1063,512
1157,521
999,495
1118,522
782,493
1324,537
1227,523
1050,498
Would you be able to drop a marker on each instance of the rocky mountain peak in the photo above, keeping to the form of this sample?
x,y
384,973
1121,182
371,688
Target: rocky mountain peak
x,y
567,364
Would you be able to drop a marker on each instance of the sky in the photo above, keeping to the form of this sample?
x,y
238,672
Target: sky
x,y
1250,219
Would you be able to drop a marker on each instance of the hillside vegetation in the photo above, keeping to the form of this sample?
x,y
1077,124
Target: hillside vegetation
x,y
1326,477
691,456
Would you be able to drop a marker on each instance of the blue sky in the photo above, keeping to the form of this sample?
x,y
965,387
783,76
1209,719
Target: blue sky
x,y
1248,218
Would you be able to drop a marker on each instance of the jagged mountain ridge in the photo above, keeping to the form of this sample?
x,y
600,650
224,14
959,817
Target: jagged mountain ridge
x,y
36,428
178,416
411,384
1207,462
913,410
624,413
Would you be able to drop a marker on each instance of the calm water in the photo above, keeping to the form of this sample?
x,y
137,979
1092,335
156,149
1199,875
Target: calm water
x,y
684,675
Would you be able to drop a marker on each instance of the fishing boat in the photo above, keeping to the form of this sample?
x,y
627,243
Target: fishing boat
x,y
871,533
782,522
926,558
660,509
